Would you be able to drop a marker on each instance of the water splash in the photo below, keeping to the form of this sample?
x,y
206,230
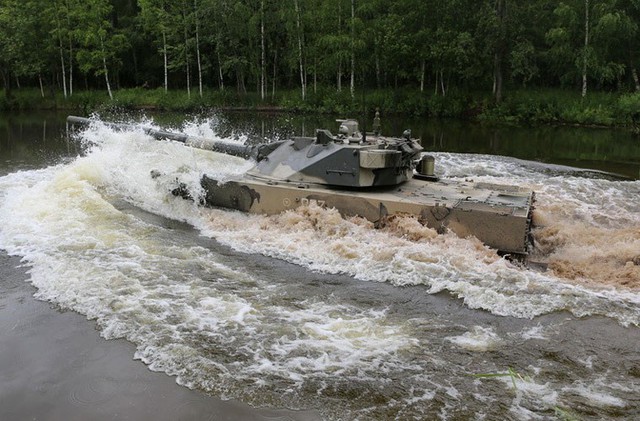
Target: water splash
x,y
192,314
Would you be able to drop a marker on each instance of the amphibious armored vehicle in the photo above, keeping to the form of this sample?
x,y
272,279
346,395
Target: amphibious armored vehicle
x,y
363,174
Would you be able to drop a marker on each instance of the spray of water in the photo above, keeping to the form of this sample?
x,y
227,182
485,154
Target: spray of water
x,y
193,315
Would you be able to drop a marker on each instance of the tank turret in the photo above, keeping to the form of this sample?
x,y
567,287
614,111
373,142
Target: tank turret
x,y
348,159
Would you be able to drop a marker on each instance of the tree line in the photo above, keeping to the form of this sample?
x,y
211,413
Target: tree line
x,y
262,46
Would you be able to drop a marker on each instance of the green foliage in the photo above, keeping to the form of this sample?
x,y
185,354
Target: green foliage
x,y
598,116
555,107
520,107
629,107
498,60
85,100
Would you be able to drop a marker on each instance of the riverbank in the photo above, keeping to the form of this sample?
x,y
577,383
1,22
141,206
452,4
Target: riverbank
x,y
521,107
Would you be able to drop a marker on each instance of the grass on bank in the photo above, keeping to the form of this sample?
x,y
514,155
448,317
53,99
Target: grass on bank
x,y
525,106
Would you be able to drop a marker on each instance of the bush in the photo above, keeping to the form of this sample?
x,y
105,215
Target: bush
x,y
526,106
629,108
553,106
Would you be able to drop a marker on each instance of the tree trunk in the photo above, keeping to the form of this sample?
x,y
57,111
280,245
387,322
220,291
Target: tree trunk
x,y
166,61
64,73
634,74
70,75
352,86
424,65
378,78
263,53
41,86
501,8
188,71
497,86
339,73
220,77
70,67
500,51
275,68
586,46
70,51
61,49
104,68
195,5
186,52
240,81
302,76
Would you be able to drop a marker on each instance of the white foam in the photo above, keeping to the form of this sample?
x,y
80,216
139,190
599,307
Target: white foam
x,y
118,164
595,395
478,339
536,332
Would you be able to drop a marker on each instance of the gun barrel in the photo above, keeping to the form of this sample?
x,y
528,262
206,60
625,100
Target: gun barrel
x,y
228,148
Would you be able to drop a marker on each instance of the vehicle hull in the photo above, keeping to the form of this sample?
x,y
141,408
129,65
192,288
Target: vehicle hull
x,y
498,215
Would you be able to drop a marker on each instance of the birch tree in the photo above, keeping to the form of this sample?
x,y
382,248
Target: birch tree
x,y
631,41
196,12
581,41
64,33
586,48
100,45
263,53
156,20
71,10
352,85
332,41
23,48
184,50
500,51
300,42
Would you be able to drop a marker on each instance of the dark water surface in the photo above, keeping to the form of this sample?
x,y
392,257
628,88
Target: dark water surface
x,y
55,366
306,311
615,151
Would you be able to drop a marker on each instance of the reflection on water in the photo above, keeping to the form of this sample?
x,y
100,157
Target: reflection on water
x,y
33,141
607,150
614,151
308,310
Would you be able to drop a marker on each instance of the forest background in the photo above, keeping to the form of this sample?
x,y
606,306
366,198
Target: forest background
x,y
498,60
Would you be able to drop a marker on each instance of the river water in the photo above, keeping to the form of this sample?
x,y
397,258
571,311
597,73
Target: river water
x,y
306,310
